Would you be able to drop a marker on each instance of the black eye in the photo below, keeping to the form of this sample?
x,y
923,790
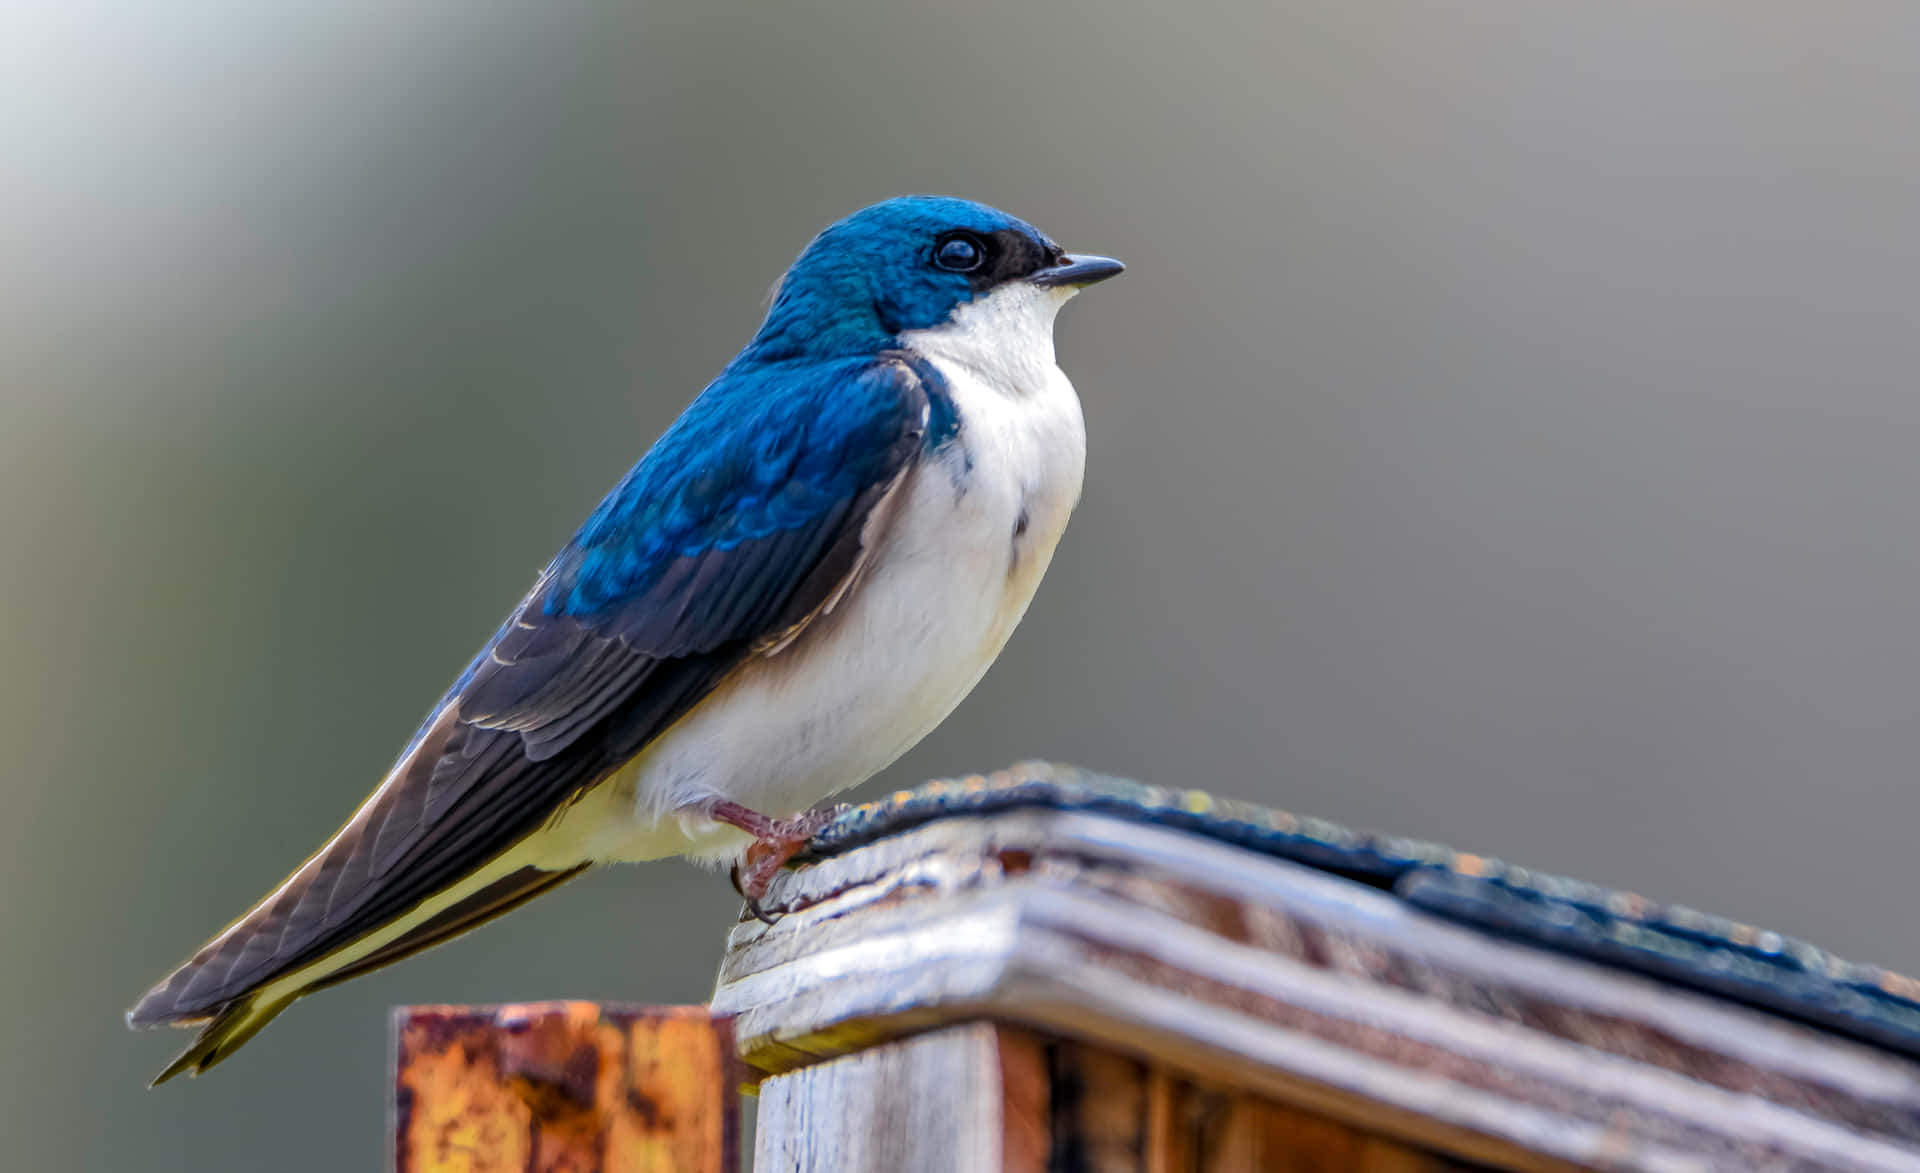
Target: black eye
x,y
961,252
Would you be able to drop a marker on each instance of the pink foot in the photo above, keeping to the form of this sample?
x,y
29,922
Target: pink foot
x,y
775,841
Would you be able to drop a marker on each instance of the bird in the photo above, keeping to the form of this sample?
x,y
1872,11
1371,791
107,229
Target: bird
x,y
800,579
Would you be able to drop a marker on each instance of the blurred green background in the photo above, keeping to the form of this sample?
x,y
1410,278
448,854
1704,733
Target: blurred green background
x,y
1505,435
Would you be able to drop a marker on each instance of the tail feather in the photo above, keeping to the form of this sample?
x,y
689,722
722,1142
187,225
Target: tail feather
x,y
225,1025
223,1034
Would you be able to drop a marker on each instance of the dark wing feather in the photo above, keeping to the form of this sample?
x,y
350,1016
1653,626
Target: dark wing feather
x,y
750,516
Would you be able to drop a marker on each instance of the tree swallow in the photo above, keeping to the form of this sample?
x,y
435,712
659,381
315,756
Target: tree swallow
x,y
805,574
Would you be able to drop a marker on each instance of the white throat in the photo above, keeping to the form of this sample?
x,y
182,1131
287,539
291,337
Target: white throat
x,y
1004,339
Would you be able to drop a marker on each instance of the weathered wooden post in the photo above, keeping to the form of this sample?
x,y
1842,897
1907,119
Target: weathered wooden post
x,y
563,1087
1046,970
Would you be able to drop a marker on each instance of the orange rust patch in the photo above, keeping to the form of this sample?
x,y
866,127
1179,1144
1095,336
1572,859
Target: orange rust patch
x,y
564,1087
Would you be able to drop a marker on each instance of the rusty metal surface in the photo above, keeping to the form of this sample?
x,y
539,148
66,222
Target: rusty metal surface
x,y
562,1087
1676,944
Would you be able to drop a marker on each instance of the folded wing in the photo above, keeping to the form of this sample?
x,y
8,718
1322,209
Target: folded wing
x,y
750,516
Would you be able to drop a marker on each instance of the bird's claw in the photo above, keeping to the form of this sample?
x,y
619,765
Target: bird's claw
x,y
775,842
753,903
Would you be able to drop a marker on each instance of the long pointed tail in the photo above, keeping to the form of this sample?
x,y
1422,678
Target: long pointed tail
x,y
230,1021
223,1034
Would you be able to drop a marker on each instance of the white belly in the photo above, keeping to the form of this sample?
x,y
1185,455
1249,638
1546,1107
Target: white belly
x,y
943,592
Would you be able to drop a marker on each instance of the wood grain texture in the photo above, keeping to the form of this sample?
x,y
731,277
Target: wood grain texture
x,y
1169,1123
1026,1099
1280,983
1188,1128
1246,1135
981,1098
968,1099
563,1087
1100,1110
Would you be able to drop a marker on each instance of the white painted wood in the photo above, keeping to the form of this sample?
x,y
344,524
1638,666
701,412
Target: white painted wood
x,y
930,1103
1305,988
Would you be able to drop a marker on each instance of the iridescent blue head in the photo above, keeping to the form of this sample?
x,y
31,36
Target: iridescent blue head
x,y
907,264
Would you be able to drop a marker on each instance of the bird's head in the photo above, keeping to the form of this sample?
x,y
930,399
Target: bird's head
x,y
913,264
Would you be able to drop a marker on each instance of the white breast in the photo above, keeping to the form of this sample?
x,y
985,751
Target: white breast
x,y
960,560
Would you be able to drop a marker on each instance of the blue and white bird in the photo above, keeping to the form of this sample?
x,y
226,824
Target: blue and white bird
x,y
805,574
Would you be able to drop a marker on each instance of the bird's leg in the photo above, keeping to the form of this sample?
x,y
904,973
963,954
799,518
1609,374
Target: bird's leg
x,y
775,841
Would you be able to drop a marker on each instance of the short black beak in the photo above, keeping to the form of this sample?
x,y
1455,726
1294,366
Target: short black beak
x,y
1077,270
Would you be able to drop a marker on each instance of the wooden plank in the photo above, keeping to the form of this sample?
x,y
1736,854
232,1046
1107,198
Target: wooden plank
x,y
981,1098
1026,1090
1100,1110
1170,1124
1202,1130
1253,1136
563,1087
968,1099
1288,984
